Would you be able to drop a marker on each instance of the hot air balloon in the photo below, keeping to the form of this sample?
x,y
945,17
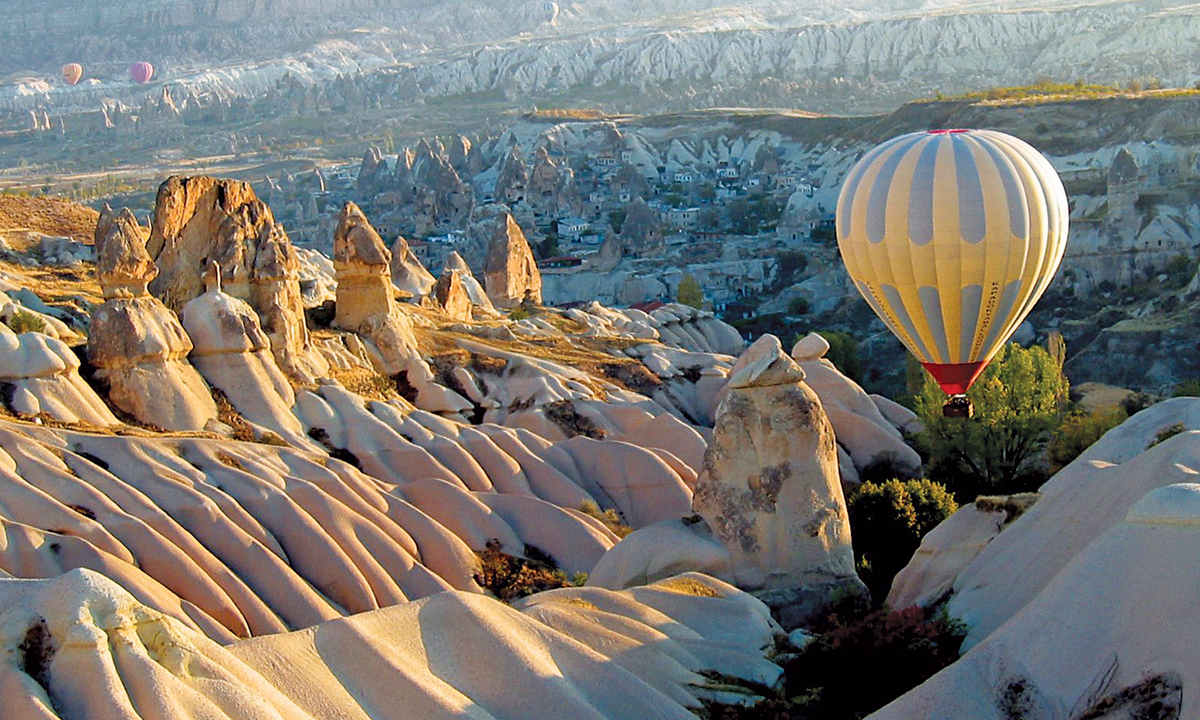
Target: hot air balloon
x,y
551,10
951,236
72,73
141,72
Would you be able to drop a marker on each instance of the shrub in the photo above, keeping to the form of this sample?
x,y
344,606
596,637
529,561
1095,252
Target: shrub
x,y
509,577
23,322
1187,388
690,293
1166,434
563,414
859,667
1180,269
1078,432
843,353
887,522
611,518
798,306
1136,402
518,313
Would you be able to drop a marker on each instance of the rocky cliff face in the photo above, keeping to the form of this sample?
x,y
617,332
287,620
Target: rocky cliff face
x,y
201,220
828,56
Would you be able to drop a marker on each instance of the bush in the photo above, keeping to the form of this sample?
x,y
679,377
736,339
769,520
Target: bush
x,y
857,668
887,522
23,322
1187,388
862,661
1166,434
519,313
798,306
1078,432
611,518
843,353
511,578
1136,402
690,293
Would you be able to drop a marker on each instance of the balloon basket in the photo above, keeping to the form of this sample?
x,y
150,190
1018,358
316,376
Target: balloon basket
x,y
958,406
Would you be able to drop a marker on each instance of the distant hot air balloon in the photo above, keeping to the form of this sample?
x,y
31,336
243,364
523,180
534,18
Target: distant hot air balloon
x,y
72,73
951,236
141,72
551,9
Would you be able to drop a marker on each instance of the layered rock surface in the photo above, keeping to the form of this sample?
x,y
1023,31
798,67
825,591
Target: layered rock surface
x,y
770,488
90,649
200,220
138,345
1071,606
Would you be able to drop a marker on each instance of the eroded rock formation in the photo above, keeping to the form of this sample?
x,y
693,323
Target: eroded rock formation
x,y
137,345
769,488
408,274
510,272
201,219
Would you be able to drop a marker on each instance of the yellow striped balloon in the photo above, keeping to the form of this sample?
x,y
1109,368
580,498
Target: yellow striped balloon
x,y
951,236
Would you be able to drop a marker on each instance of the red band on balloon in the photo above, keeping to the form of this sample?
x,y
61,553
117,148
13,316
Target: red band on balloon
x,y
955,379
955,131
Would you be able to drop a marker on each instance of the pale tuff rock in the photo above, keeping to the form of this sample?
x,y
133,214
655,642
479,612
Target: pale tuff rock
x,y
361,261
44,374
868,428
123,267
137,345
452,296
408,274
475,291
641,233
234,355
770,489
510,272
201,219
944,552
586,652
659,551
365,306
1082,502
1107,634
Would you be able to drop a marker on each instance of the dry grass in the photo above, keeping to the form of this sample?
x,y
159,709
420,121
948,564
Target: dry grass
x,y
367,383
49,216
687,586
230,461
610,518
229,415
586,354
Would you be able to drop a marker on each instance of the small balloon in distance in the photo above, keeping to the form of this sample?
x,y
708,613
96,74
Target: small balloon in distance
x,y
951,236
141,72
72,73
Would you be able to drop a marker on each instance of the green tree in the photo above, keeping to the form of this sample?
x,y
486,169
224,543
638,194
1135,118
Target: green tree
x,y
689,292
1018,404
616,218
548,247
1078,432
843,353
887,522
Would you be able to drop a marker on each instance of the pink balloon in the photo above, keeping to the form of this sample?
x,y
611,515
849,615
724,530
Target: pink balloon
x,y
141,72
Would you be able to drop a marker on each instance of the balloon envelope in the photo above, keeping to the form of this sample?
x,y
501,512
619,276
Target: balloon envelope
x,y
551,9
141,72
951,236
72,73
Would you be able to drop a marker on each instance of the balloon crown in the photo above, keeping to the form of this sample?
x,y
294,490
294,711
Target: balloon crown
x,y
954,131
